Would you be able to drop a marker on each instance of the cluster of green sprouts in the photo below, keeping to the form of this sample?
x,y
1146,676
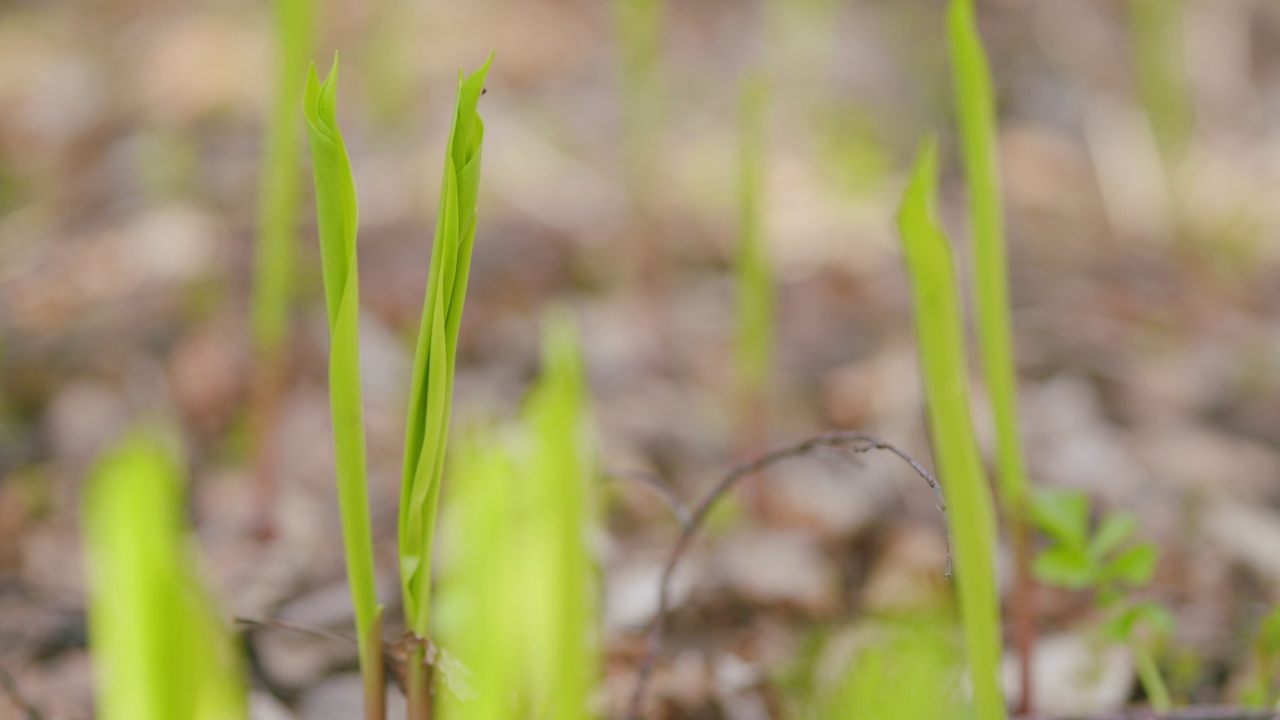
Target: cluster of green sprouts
x,y
520,505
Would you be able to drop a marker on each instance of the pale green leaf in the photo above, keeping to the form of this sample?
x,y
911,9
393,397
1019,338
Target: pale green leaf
x,y
941,349
160,648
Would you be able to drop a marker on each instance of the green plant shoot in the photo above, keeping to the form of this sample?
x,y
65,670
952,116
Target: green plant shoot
x,y
940,347
160,647
522,584
278,200
976,118
431,393
1156,28
639,28
975,113
755,291
559,572
479,584
336,218
277,214
1260,686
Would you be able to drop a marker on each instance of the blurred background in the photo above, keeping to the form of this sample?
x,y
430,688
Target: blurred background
x,y
1140,155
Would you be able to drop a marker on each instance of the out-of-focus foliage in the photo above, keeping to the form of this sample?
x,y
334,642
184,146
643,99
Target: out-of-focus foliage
x,y
431,394
522,585
160,648
278,203
755,289
907,669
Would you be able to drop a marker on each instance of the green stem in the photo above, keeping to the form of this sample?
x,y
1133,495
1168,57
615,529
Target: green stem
x,y
1152,682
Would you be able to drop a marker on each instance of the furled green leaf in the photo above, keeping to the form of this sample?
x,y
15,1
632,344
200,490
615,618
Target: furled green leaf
x,y
431,393
941,349
1065,566
336,218
160,648
1062,515
1135,565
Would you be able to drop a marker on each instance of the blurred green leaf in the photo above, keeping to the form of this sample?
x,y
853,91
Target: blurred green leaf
x,y
1114,529
275,250
1062,515
1136,565
909,670
1065,566
522,587
160,648
753,271
1150,618
1267,638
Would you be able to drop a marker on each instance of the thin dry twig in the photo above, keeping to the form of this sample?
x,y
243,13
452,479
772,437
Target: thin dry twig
x,y
853,442
664,492
395,655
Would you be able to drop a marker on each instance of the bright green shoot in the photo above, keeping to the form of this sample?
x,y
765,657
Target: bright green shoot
x,y
523,581
755,290
160,647
941,349
336,218
976,118
431,394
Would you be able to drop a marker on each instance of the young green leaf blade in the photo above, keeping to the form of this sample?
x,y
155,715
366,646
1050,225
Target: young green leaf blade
x,y
940,346
976,116
431,391
159,646
337,221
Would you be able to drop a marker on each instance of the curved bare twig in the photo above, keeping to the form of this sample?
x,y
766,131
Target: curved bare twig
x,y
855,442
664,492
